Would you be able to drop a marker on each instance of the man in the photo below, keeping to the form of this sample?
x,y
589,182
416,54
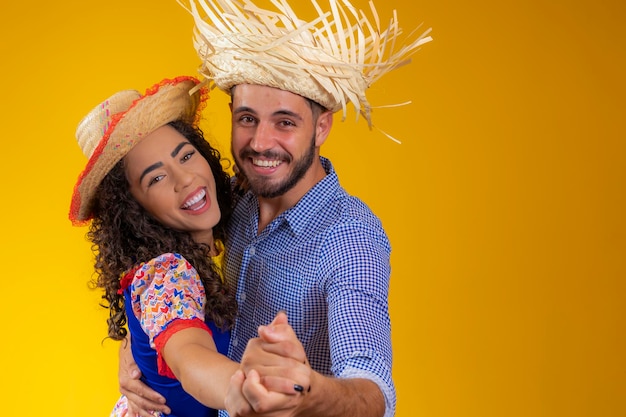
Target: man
x,y
297,241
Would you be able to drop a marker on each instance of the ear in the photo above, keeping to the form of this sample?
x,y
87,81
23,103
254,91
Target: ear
x,y
322,127
232,98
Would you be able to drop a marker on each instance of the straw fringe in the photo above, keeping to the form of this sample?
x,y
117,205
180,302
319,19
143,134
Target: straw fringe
x,y
332,59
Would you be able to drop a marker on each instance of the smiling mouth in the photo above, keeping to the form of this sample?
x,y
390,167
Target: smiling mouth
x,y
195,202
265,163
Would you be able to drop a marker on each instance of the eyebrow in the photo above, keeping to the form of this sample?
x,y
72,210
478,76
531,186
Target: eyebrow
x,y
149,169
160,164
179,147
282,112
244,109
287,113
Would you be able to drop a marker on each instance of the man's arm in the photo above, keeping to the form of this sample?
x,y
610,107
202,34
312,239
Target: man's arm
x,y
275,354
329,396
348,397
141,398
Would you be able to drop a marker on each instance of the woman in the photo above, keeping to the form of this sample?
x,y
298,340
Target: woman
x,y
158,199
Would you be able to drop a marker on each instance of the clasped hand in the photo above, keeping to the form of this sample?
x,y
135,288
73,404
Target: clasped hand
x,y
274,378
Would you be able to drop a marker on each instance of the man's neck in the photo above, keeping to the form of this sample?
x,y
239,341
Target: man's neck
x,y
270,208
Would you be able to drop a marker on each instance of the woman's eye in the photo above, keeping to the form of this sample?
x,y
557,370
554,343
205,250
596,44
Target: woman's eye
x,y
188,155
155,180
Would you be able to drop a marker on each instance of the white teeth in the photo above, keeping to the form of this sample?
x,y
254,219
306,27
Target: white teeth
x,y
193,200
263,163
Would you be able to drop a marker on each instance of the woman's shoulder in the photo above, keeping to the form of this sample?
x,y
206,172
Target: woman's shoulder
x,y
166,266
167,262
143,272
167,257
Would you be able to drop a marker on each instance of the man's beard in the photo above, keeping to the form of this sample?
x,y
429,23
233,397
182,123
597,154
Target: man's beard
x,y
266,188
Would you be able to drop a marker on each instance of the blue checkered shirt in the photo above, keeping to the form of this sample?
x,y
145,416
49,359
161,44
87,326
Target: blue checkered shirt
x,y
326,262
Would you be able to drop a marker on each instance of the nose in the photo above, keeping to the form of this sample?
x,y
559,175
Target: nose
x,y
183,178
262,137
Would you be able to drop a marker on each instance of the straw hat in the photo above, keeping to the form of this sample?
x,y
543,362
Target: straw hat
x,y
331,60
112,128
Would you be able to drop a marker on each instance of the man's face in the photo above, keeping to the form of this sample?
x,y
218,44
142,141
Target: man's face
x,y
273,138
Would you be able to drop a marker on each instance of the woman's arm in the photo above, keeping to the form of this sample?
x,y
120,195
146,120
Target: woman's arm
x,y
204,373
184,344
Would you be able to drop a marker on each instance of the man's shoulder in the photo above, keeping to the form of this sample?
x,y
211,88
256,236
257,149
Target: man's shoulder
x,y
348,215
351,208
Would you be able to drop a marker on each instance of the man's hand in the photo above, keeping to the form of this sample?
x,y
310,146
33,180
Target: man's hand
x,y
142,400
277,350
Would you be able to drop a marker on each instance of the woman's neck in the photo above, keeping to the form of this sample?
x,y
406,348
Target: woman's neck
x,y
206,237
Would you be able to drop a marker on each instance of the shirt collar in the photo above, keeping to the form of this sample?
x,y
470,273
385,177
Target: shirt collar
x,y
300,215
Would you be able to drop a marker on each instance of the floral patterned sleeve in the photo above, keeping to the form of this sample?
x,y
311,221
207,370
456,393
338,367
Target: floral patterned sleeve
x,y
168,296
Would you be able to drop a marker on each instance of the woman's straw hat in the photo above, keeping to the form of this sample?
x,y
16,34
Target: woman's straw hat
x,y
117,124
331,59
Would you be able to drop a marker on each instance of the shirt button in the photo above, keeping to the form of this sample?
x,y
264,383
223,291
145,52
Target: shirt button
x,y
243,297
252,251
234,342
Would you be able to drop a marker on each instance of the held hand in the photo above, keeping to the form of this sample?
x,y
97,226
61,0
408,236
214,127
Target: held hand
x,y
276,346
248,396
142,400
235,403
277,375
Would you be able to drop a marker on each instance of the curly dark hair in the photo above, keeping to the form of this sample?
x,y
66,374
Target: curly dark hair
x,y
123,234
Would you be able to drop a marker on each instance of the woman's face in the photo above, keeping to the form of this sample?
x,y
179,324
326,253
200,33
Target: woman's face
x,y
174,183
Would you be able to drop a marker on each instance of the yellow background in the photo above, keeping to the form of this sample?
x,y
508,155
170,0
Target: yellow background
x,y
504,204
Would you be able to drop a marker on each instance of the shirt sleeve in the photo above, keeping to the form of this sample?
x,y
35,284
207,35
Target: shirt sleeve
x,y
168,296
358,308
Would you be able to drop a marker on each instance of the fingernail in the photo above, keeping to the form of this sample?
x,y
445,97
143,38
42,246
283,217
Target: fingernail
x,y
298,388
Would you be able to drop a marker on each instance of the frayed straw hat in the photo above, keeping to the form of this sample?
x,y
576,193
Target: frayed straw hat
x,y
112,128
331,60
